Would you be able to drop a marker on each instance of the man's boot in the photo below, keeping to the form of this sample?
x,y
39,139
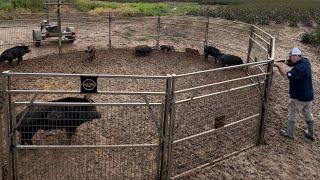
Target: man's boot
x,y
310,132
288,133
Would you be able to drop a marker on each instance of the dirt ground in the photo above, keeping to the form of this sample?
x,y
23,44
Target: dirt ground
x,y
280,158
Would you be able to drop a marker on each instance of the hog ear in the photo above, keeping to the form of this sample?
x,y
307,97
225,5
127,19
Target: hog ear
x,y
87,98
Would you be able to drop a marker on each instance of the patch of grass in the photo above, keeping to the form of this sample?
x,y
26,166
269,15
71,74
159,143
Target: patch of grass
x,y
134,9
21,5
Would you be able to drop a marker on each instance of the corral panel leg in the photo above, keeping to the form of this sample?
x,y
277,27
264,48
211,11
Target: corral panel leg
x,y
264,105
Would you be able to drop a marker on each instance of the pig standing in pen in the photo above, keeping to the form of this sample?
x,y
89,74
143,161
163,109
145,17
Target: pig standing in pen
x,y
14,53
49,117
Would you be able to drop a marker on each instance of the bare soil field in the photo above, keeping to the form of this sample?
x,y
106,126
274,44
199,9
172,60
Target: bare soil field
x,y
278,159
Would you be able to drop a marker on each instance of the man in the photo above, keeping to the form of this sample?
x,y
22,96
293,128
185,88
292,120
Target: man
x,y
301,92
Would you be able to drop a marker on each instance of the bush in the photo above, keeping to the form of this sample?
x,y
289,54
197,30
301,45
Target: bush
x,y
317,34
6,6
311,37
308,38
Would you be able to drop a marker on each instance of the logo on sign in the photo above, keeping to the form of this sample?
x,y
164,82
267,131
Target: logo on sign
x,y
89,84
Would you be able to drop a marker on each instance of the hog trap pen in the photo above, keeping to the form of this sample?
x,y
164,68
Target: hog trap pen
x,y
154,127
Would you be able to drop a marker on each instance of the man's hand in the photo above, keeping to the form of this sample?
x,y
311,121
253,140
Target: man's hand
x,y
281,68
276,64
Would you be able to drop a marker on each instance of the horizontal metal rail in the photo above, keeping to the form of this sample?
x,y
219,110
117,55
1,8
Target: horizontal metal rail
x,y
222,82
213,162
84,104
85,146
14,26
261,30
256,35
166,37
259,45
78,92
228,26
213,130
12,44
238,34
134,17
227,47
204,20
216,93
200,27
11,74
224,68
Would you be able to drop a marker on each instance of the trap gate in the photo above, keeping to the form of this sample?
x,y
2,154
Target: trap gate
x,y
166,130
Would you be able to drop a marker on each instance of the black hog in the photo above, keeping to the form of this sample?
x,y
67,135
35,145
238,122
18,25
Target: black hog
x,y
142,50
13,53
212,51
167,48
55,117
228,59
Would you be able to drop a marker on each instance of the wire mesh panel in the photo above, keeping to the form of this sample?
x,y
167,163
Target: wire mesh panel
x,y
229,37
88,142
132,31
114,133
261,45
186,32
215,117
92,163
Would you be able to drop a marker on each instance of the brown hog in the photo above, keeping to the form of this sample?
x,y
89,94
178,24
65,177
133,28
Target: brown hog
x,y
91,52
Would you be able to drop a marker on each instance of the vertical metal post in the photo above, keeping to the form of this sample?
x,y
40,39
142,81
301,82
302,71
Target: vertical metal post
x,y
272,48
206,31
164,155
2,142
110,30
264,105
161,142
59,25
171,127
6,126
48,10
14,143
250,43
158,31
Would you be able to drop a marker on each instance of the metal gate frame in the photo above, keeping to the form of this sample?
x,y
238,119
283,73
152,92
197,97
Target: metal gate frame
x,y
10,115
166,127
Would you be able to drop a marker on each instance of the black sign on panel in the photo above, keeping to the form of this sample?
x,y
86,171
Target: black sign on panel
x,y
88,84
